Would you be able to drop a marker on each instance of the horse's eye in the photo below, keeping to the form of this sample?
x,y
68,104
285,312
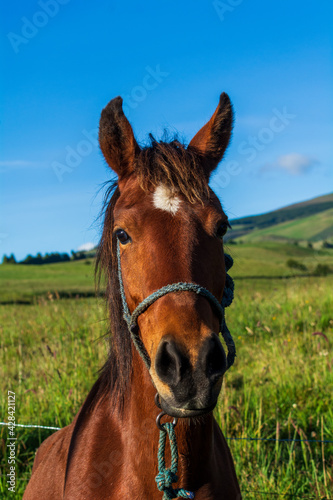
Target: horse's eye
x,y
222,229
122,236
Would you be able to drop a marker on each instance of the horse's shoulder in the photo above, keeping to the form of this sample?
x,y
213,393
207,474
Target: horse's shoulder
x,y
56,443
49,466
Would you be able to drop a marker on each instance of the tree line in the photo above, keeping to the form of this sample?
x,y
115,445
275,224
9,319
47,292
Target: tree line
x,y
48,258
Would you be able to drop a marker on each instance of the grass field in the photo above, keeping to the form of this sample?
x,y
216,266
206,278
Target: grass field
x,y
26,283
280,387
23,283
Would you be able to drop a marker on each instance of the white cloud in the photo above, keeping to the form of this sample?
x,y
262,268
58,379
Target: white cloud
x,y
296,164
86,247
292,163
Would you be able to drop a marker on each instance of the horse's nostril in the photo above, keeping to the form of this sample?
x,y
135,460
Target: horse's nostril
x,y
170,363
213,358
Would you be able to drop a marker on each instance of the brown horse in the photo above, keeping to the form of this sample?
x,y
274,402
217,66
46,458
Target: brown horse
x,y
163,225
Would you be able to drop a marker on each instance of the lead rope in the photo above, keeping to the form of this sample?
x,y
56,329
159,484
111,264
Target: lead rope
x,y
166,477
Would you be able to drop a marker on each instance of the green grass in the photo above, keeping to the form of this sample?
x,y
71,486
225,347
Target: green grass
x,y
50,354
280,386
269,258
23,283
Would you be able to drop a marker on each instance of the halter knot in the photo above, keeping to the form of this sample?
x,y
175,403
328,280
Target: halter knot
x,y
166,477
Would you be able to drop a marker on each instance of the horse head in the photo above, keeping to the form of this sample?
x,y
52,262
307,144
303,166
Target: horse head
x,y
168,226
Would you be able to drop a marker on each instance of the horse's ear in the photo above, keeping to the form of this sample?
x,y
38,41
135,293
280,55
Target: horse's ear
x,y
213,138
116,138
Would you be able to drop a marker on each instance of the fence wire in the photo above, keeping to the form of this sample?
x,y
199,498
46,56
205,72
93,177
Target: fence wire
x,y
235,438
232,438
289,495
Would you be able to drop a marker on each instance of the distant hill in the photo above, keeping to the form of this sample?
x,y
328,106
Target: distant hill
x,y
310,220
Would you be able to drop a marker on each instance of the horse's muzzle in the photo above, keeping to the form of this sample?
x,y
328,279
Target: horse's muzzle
x,y
194,379
185,413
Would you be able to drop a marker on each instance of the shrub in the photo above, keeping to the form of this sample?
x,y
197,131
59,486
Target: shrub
x,y
294,264
9,260
322,270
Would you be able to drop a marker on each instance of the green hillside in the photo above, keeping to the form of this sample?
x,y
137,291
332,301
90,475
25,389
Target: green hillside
x,y
310,221
27,284
313,228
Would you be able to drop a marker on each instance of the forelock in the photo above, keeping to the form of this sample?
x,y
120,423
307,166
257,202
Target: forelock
x,y
171,164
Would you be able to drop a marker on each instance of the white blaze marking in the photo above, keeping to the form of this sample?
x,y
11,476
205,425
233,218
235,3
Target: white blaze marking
x,y
166,198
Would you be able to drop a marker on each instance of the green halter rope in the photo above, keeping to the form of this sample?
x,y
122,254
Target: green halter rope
x,y
166,477
131,319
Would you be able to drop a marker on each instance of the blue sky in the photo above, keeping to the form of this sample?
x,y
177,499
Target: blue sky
x,y
64,60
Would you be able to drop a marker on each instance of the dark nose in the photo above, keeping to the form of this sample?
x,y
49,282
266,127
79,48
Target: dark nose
x,y
194,385
173,366
170,363
213,359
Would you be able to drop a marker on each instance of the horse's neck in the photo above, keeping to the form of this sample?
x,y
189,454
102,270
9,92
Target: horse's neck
x,y
195,439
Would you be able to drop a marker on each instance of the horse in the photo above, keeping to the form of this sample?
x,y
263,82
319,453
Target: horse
x,y
163,227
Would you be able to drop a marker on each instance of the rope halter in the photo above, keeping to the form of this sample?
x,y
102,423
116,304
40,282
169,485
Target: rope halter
x,y
132,319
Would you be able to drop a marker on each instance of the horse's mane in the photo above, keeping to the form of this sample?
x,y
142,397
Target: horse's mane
x,y
160,162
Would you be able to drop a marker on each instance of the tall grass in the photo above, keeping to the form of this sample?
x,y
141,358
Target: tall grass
x,y
280,386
